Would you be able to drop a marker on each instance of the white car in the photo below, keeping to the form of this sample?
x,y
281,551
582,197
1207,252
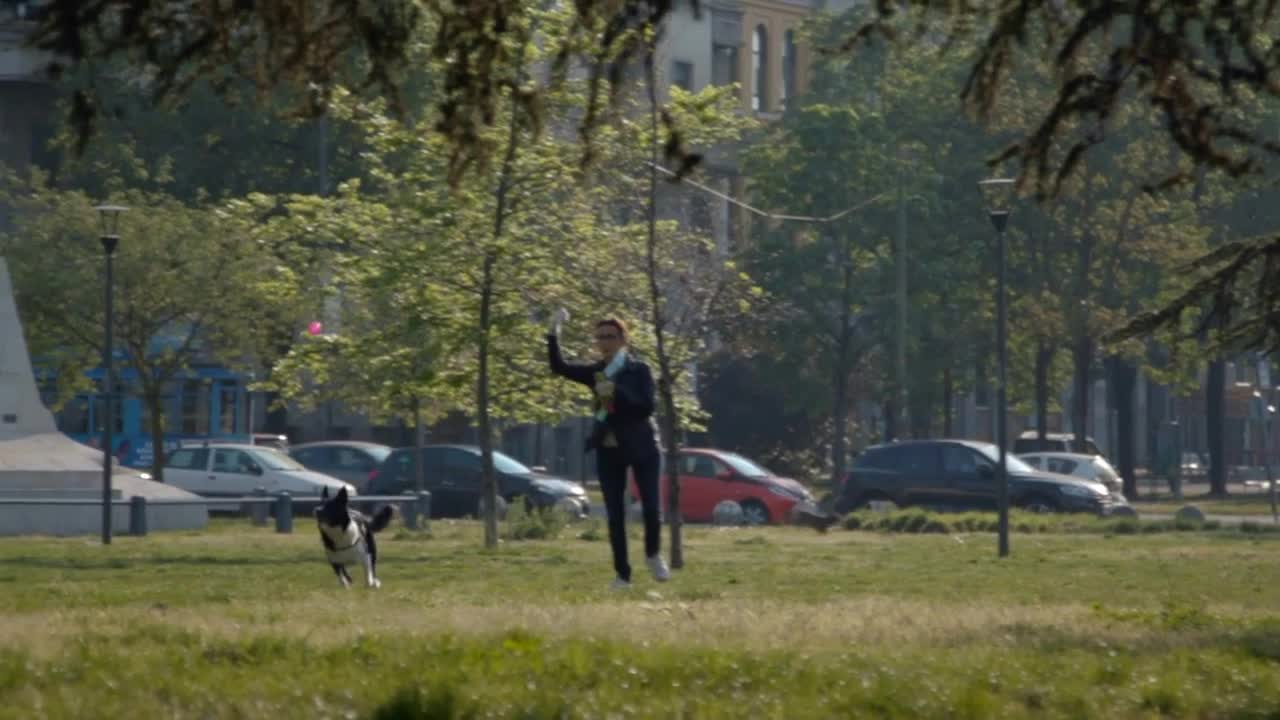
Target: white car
x,y
1089,467
234,470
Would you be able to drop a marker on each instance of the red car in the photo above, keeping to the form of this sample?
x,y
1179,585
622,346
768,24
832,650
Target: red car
x,y
708,477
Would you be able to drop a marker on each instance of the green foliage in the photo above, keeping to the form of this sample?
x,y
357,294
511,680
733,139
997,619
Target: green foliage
x,y
534,524
190,285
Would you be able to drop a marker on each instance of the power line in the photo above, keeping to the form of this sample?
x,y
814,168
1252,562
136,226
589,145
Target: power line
x,y
766,213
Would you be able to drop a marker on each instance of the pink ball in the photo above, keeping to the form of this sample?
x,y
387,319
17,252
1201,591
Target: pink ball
x,y
315,328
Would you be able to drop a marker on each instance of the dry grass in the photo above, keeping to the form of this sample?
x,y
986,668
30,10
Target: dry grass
x,y
920,619
749,625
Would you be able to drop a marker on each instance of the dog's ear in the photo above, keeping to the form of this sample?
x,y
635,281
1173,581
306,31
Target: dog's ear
x,y
324,493
342,496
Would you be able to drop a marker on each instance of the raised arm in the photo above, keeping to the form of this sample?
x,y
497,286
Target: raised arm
x,y
577,372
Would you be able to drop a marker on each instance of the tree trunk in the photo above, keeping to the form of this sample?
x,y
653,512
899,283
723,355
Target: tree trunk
x,y
1044,359
890,421
484,423
419,479
840,383
1124,377
482,404
670,421
948,393
839,422
537,444
155,407
1215,406
920,412
1082,355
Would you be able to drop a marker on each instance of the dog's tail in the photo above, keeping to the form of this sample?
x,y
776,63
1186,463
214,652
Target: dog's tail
x,y
382,518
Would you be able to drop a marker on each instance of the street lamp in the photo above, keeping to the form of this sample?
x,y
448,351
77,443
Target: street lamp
x,y
110,217
1259,409
997,196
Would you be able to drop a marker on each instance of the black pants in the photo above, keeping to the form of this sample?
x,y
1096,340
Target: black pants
x,y
613,481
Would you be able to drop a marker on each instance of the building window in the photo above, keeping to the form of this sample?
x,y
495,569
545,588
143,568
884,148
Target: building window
x,y
724,64
760,69
682,75
700,214
788,67
195,408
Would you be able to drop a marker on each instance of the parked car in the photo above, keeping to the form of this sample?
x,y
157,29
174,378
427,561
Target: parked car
x,y
709,477
961,475
452,474
1089,467
279,442
234,470
350,461
1029,442
1193,467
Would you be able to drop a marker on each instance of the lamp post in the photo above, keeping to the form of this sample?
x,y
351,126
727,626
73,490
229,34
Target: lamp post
x,y
110,217
997,195
1263,411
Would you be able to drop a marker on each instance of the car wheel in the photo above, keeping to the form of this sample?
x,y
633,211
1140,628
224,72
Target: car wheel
x,y
1039,504
481,504
754,513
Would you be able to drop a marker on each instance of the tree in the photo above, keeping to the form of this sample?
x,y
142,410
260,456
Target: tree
x,y
1194,63
1201,67
861,139
188,288
470,267
305,51
376,353
198,144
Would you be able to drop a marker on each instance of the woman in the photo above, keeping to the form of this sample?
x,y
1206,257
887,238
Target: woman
x,y
623,436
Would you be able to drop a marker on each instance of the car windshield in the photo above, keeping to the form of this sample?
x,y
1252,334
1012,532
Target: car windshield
x,y
274,459
743,466
1014,463
379,454
507,464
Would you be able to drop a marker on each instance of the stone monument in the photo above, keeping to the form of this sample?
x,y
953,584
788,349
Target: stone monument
x,y
39,462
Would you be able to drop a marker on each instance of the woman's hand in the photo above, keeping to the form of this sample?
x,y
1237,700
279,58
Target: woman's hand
x,y
558,319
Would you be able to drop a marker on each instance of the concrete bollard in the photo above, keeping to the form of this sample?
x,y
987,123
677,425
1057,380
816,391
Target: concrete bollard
x,y
284,512
259,510
138,515
424,509
409,509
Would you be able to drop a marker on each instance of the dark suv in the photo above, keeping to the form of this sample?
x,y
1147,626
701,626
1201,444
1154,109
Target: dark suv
x,y
961,475
451,473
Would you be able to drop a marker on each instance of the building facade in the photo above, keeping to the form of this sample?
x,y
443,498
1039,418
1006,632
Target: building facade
x,y
27,121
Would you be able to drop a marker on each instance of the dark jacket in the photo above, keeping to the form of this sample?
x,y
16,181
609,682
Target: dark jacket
x,y
633,401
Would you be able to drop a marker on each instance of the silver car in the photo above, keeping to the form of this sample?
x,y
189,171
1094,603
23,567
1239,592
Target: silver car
x,y
1088,467
351,461
235,470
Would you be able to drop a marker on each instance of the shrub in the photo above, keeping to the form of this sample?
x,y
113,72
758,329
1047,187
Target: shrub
x,y
536,524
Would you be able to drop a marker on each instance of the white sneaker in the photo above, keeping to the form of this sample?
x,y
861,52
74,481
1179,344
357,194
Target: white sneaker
x,y
620,584
658,567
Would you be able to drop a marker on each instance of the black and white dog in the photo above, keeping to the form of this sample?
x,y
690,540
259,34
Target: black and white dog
x,y
348,536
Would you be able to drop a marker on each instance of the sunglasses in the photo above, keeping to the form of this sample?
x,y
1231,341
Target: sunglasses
x,y
606,337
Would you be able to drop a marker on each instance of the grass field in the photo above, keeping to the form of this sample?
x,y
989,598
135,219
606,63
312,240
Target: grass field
x,y
1251,505
239,622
